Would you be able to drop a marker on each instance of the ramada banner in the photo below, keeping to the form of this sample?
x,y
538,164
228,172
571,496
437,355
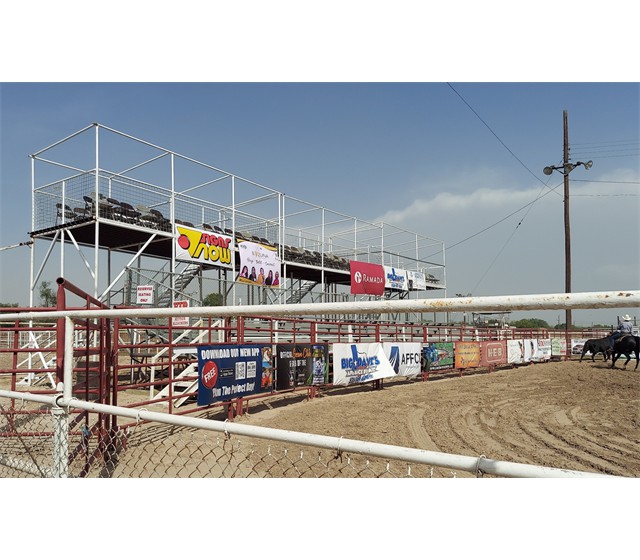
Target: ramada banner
x,y
366,278
203,247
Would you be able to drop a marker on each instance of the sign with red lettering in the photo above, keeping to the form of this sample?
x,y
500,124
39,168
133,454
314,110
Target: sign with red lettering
x,y
144,295
180,321
366,278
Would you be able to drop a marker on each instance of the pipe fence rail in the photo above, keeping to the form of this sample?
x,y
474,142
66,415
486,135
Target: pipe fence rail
x,y
67,432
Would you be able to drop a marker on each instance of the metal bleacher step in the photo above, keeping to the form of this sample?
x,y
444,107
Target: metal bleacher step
x,y
180,386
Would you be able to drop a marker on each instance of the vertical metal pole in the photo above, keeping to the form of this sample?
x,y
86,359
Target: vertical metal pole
x,y
235,242
97,209
173,243
567,226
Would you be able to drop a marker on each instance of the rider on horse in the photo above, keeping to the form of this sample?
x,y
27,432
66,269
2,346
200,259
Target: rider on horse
x,y
625,327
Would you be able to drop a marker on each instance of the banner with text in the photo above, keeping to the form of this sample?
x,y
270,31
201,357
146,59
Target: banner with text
x,y
416,280
467,354
438,356
493,353
358,363
203,247
226,372
395,279
366,278
301,364
404,357
259,264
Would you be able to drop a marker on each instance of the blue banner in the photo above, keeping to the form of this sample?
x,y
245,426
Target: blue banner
x,y
229,371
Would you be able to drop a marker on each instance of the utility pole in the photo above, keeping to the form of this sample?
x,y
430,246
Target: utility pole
x,y
567,224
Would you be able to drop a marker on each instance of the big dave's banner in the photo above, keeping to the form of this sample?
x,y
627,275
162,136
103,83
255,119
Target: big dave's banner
x,y
203,247
259,264
359,363
404,357
227,371
395,278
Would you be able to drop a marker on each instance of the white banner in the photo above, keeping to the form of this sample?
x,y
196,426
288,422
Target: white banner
x,y
404,357
358,363
395,278
203,247
180,321
259,264
515,351
416,280
544,350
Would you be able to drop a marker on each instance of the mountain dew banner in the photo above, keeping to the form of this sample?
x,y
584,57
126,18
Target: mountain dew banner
x,y
226,372
404,357
438,355
358,363
301,364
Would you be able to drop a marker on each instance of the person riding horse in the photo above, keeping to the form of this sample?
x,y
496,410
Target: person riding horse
x,y
624,327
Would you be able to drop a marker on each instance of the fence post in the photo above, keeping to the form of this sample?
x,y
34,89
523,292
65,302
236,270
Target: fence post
x,y
60,442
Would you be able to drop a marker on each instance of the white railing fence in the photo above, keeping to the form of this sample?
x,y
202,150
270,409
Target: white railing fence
x,y
58,444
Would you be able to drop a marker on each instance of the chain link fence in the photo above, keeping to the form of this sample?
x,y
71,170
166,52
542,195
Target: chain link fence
x,y
30,434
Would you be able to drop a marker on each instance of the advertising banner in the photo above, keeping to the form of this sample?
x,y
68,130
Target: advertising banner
x,y
467,354
404,357
558,346
366,278
358,363
544,350
301,364
203,247
493,353
395,278
515,351
438,355
144,295
530,349
416,280
259,264
577,344
229,371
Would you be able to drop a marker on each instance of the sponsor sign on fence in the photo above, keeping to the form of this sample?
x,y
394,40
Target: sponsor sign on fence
x,y
439,355
301,364
358,363
226,372
404,357
558,346
493,353
466,354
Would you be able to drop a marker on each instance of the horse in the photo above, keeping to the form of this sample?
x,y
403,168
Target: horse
x,y
596,346
626,345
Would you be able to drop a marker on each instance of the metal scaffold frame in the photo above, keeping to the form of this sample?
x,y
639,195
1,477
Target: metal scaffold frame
x,y
120,197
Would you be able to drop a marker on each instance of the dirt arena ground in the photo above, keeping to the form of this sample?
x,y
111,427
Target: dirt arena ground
x,y
579,416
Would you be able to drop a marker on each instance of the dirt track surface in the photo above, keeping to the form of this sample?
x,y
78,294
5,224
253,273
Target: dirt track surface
x,y
579,416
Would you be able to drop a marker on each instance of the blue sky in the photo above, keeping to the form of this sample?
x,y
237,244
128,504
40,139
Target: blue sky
x,y
446,160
